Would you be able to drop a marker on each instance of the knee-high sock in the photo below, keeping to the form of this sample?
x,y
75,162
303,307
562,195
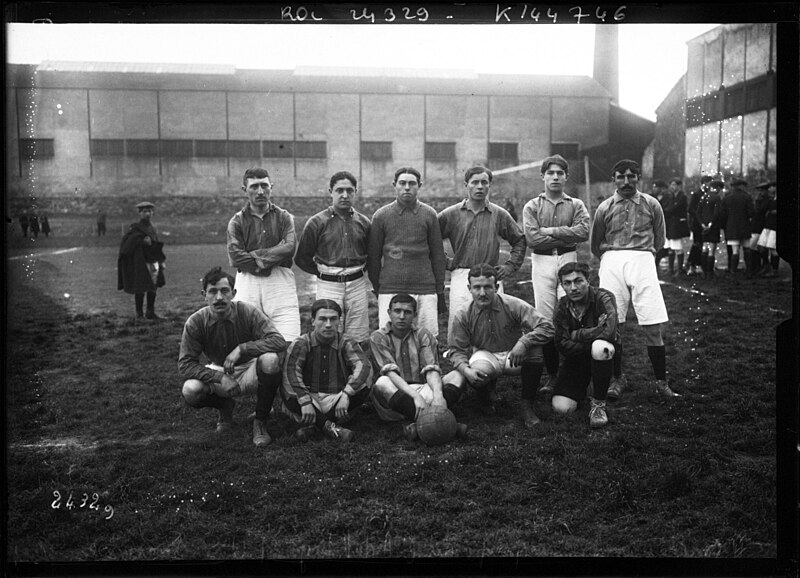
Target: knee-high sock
x,y
671,260
402,403
550,358
601,376
729,250
658,359
775,261
268,384
680,261
530,375
618,361
451,394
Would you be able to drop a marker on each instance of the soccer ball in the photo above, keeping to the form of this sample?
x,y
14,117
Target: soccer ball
x,y
436,426
602,350
487,363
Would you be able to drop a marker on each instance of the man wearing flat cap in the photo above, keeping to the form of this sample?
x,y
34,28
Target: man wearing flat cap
x,y
736,211
140,266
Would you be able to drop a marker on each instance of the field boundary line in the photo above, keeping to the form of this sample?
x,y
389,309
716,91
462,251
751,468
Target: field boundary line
x,y
45,253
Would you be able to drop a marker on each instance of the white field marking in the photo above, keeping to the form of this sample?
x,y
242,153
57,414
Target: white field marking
x,y
45,253
77,444
701,294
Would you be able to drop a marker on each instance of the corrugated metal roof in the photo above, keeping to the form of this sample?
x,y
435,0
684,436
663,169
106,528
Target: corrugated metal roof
x,y
140,67
384,72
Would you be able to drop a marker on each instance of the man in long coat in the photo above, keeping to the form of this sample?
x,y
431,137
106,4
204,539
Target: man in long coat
x,y
140,266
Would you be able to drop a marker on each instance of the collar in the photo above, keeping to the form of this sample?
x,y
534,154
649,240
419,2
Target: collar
x,y
332,212
636,198
400,208
247,209
495,305
465,206
315,342
564,197
590,297
387,330
213,319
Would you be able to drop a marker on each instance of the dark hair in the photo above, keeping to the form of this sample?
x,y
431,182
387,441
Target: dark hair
x,y
410,171
555,160
325,304
676,180
574,267
255,173
403,298
482,270
342,175
624,165
717,184
660,184
706,179
476,170
215,275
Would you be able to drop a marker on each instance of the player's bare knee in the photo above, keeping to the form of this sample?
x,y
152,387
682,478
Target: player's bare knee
x,y
384,387
193,390
269,363
564,405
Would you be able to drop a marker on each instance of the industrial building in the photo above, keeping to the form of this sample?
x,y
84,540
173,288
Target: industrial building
x,y
721,117
192,130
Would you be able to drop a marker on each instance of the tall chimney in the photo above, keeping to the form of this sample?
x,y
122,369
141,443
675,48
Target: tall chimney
x,y
606,58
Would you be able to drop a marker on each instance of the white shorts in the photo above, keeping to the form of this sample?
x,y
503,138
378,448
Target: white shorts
x,y
353,299
245,375
631,276
768,239
275,295
427,311
544,275
736,242
676,244
459,293
754,240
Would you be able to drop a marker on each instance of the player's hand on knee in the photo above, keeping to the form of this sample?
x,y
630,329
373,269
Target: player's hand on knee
x,y
475,376
419,405
342,406
516,355
307,414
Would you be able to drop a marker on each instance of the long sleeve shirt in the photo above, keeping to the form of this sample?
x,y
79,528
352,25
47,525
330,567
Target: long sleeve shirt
x,y
736,210
412,357
271,238
634,224
568,215
475,237
405,250
245,327
708,209
575,331
334,241
316,367
497,328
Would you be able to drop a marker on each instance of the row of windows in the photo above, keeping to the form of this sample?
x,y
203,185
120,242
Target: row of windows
x,y
743,98
370,150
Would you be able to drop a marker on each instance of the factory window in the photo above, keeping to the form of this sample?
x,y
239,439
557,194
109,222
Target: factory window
x,y
568,150
107,147
440,151
176,148
503,151
694,111
210,148
277,149
376,151
759,94
713,107
30,148
734,101
141,148
244,148
310,149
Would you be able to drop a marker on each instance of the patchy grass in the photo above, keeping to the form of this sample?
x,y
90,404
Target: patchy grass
x,y
94,407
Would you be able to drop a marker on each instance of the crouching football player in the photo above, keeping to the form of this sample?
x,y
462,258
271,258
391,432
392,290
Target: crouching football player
x,y
511,334
244,349
586,333
326,376
410,377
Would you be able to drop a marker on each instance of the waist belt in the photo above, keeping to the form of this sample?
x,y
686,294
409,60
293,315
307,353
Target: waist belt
x,y
555,251
341,278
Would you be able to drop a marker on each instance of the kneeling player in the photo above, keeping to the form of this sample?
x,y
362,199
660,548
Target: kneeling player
x,y
509,330
586,331
410,377
326,375
244,348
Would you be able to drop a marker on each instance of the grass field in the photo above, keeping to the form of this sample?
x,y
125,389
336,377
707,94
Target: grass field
x,y
94,408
